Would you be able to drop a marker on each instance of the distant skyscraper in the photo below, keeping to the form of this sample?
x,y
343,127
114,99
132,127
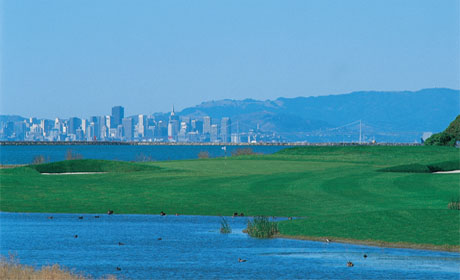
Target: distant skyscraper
x,y
142,125
225,129
214,133
173,126
74,124
96,129
109,122
206,125
118,113
128,128
84,125
197,126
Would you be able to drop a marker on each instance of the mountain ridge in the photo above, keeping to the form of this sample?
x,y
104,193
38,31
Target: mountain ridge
x,y
390,111
399,116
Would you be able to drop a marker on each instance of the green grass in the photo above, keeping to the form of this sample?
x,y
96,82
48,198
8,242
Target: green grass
x,y
324,184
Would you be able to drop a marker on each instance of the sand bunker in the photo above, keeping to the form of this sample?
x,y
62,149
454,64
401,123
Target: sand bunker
x,y
447,172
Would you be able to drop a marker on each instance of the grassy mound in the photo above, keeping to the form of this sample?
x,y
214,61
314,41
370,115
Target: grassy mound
x,y
90,165
421,168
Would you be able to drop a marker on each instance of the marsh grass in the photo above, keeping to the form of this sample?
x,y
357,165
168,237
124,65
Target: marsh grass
x,y
261,227
10,268
224,226
70,155
203,154
39,159
454,204
243,152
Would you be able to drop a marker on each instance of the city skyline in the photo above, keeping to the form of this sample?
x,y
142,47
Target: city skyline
x,y
65,58
138,128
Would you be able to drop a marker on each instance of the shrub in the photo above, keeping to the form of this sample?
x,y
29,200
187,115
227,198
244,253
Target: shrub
x,y
38,159
448,137
70,155
224,226
143,158
243,152
261,227
203,154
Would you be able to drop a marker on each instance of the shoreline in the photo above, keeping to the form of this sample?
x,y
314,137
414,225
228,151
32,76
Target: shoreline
x,y
140,143
375,243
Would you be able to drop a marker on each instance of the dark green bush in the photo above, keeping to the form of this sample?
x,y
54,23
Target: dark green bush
x,y
448,137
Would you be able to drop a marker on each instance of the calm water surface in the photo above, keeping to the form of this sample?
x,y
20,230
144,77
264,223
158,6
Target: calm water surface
x,y
192,247
26,154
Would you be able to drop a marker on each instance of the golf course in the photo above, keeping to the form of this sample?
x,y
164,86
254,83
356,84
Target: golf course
x,y
377,195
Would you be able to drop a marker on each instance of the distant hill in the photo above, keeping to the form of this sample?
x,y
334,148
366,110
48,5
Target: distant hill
x,y
11,118
388,116
400,116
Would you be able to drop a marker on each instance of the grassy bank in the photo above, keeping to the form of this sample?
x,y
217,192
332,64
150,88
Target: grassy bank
x,y
11,269
342,191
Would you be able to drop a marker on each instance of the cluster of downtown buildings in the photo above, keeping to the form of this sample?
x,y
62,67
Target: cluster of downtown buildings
x,y
117,127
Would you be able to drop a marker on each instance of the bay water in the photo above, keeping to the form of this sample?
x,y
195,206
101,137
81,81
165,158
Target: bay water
x,y
191,247
25,154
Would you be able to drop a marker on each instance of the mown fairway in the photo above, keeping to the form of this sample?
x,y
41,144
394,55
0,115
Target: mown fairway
x,y
339,190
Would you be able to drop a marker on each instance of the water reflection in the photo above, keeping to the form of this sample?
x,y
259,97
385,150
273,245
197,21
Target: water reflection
x,y
192,247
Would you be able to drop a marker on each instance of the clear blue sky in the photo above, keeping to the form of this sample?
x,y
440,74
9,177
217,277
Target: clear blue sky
x,y
79,58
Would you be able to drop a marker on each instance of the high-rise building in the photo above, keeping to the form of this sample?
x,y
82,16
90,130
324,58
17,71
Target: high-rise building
x,y
109,122
173,126
142,125
196,126
214,133
73,125
92,130
206,125
96,127
84,125
118,113
128,128
225,129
